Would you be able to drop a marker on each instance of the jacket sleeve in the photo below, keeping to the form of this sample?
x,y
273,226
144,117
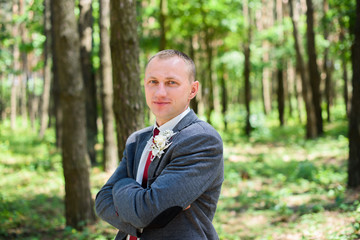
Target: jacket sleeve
x,y
104,204
196,161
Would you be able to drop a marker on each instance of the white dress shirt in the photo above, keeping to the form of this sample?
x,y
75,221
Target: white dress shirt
x,y
166,126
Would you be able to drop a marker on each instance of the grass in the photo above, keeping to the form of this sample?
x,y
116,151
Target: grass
x,y
277,186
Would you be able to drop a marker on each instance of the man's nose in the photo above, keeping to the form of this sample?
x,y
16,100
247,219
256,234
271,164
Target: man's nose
x,y
161,91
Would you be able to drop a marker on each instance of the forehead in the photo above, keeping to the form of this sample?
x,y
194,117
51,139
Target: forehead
x,y
169,61
169,65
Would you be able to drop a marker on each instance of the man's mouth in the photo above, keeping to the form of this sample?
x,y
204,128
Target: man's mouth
x,y
160,103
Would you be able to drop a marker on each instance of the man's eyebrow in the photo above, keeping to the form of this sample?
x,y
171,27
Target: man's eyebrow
x,y
171,78
151,77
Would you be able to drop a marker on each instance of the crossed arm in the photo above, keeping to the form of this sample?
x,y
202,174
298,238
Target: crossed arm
x,y
126,205
104,202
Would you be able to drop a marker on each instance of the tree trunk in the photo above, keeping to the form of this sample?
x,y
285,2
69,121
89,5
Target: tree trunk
x,y
268,20
45,102
24,66
162,19
327,62
280,70
247,68
280,95
16,79
210,85
85,31
344,69
110,158
314,75
128,99
224,95
33,109
76,164
266,79
354,123
247,88
14,87
194,102
55,86
311,130
297,90
288,85
328,66
209,88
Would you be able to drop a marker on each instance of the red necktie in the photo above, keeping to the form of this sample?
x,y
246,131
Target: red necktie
x,y
148,161
146,168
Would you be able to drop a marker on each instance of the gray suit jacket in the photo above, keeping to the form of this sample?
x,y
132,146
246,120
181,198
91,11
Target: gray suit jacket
x,y
190,172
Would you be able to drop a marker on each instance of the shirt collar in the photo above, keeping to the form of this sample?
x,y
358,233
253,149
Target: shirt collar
x,y
169,125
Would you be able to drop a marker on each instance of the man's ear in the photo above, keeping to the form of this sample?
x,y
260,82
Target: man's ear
x,y
194,89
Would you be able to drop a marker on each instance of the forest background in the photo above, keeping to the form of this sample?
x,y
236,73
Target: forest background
x,y
280,81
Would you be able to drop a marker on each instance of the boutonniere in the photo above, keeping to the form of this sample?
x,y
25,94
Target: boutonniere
x,y
161,142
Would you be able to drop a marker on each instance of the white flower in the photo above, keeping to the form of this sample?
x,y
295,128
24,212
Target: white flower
x,y
160,143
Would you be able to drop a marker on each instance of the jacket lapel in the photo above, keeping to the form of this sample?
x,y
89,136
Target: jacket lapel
x,y
189,119
139,149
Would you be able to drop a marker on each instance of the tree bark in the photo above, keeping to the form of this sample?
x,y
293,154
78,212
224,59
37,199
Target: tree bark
x,y
162,19
354,123
110,159
194,102
45,102
314,75
85,31
128,99
224,95
345,72
13,107
208,85
288,86
281,95
55,86
327,67
266,79
280,68
311,130
76,164
268,20
247,68
16,66
24,67
298,91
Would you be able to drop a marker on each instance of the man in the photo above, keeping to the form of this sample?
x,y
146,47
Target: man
x,y
167,186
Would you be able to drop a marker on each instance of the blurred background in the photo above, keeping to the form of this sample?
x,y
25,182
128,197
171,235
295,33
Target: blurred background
x,y
280,81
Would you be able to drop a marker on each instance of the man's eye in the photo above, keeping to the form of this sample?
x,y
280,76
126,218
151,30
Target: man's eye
x,y
172,82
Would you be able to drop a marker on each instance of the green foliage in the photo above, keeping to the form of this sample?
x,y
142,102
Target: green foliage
x,y
275,183
295,185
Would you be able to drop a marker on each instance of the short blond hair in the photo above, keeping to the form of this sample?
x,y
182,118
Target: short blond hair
x,y
169,53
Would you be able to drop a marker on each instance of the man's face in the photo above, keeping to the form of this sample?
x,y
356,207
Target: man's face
x,y
168,89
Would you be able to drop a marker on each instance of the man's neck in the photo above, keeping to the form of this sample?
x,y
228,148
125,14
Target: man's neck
x,y
169,125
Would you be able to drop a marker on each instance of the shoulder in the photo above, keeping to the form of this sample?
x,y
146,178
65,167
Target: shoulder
x,y
199,140
199,132
135,136
201,128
